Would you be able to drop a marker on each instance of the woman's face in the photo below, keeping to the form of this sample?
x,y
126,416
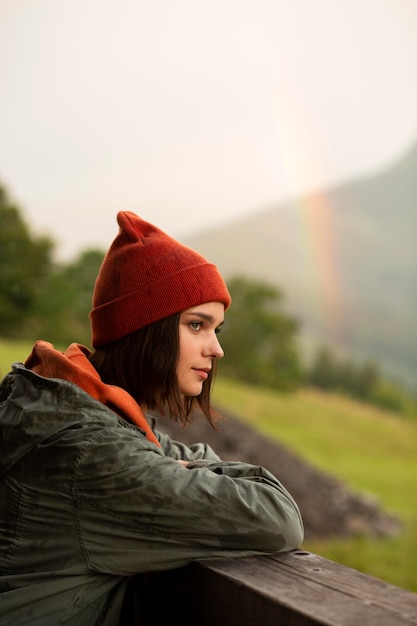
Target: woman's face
x,y
199,345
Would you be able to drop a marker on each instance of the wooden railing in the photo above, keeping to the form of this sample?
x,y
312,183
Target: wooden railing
x,y
295,589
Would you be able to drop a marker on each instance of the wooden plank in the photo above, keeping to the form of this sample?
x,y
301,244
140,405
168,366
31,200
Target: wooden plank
x,y
294,589
301,587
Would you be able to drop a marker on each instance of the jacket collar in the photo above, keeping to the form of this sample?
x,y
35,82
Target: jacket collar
x,y
73,365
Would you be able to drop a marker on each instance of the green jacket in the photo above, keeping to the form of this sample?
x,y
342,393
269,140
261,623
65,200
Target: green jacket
x,y
87,501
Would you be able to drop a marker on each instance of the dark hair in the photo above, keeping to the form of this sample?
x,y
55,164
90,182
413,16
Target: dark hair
x,y
144,364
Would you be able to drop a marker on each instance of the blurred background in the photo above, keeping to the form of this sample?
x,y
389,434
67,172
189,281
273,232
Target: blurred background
x,y
279,139
195,114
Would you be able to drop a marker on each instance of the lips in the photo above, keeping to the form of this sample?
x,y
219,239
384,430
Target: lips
x,y
203,372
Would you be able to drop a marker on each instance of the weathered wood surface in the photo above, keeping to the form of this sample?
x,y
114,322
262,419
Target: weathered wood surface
x,y
294,589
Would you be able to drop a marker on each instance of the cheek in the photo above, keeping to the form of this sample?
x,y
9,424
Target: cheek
x,y
185,347
185,354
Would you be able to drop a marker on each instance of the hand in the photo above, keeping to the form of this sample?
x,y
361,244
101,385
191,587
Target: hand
x,y
181,462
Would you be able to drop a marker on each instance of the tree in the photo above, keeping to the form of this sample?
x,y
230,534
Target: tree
x,y
258,338
63,312
25,262
323,371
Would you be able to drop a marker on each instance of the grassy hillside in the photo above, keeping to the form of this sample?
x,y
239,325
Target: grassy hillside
x,y
11,351
372,451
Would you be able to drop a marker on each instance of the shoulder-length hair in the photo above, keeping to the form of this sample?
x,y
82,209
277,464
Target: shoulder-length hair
x,y
144,363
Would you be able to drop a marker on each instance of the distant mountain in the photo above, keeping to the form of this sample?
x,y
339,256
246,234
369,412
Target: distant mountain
x,y
346,260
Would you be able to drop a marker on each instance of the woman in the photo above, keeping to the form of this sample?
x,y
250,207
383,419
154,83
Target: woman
x,y
90,492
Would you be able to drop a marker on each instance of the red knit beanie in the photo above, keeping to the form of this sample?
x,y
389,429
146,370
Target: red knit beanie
x,y
146,276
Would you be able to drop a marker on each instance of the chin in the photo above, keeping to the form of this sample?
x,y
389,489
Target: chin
x,y
193,392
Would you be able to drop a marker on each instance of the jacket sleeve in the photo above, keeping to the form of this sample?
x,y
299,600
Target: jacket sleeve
x,y
179,451
139,510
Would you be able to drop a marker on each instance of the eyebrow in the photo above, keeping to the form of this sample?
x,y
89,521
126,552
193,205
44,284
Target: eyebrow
x,y
204,316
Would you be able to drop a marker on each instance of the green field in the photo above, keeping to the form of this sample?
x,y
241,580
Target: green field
x,y
11,351
370,450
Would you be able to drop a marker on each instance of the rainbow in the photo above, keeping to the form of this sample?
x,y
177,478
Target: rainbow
x,y
300,157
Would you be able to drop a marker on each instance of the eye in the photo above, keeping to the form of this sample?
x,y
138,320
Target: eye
x,y
196,325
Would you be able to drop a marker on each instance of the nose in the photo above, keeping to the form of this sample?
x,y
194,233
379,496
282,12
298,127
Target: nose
x,y
214,348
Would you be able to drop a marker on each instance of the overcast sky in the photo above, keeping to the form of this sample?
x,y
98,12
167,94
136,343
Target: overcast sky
x,y
196,112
